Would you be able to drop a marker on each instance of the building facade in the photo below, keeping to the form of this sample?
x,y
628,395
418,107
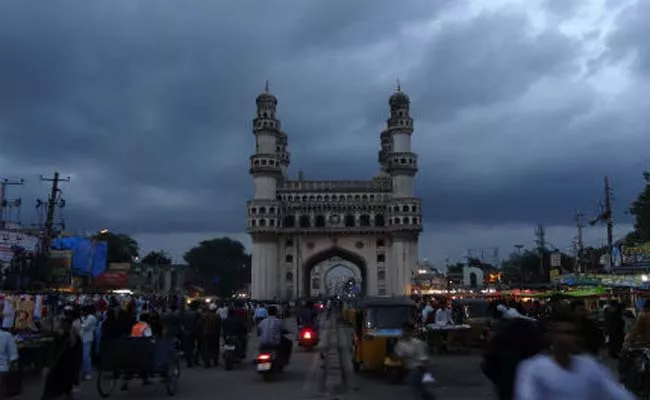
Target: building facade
x,y
302,229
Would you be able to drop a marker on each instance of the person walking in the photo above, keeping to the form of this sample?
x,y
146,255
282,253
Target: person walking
x,y
88,328
8,355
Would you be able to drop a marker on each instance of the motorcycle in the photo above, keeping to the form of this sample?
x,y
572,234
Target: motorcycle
x,y
308,338
270,361
232,352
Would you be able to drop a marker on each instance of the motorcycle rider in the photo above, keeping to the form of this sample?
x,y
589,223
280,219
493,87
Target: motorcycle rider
x,y
236,328
271,331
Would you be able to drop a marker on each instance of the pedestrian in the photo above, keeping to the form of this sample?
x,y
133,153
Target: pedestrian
x,y
413,353
77,349
615,326
562,373
8,355
514,338
209,336
590,338
88,328
61,371
190,323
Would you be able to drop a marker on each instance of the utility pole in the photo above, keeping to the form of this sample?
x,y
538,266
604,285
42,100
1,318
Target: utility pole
x,y
52,202
609,222
540,233
579,244
3,200
521,263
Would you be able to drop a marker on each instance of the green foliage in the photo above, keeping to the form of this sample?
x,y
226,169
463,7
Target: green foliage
x,y
221,265
641,211
122,248
159,257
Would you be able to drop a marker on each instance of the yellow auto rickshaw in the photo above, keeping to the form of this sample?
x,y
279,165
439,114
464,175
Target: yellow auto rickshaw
x,y
350,310
377,328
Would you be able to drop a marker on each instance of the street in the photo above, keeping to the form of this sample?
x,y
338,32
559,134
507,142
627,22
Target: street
x,y
299,381
458,377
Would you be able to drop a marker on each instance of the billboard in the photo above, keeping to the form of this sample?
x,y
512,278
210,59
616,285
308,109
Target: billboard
x,y
89,256
59,265
11,239
631,256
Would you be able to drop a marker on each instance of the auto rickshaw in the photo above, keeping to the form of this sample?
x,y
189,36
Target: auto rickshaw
x,y
350,310
377,328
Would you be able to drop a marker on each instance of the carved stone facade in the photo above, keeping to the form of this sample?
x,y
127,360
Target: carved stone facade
x,y
296,225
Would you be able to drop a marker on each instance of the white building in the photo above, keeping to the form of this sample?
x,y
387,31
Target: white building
x,y
302,229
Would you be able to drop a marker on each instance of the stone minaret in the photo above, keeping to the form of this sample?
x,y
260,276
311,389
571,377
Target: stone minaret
x,y
405,216
267,167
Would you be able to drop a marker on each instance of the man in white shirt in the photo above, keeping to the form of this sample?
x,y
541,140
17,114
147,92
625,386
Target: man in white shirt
x,y
562,375
8,354
223,311
88,328
443,315
428,309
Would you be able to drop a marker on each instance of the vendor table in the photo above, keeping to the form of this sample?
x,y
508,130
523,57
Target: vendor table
x,y
33,351
444,339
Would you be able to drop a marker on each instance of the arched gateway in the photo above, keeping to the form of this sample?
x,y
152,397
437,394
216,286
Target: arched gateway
x,y
307,235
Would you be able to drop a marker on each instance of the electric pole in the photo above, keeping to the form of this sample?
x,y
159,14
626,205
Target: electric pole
x,y
53,201
4,203
521,263
609,222
540,233
579,244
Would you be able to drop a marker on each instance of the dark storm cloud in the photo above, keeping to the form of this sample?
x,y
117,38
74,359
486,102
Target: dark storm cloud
x,y
629,41
148,106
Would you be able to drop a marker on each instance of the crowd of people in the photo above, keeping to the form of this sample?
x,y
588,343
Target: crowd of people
x,y
82,332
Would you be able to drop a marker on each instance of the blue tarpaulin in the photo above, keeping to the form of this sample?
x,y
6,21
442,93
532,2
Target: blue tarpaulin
x,y
88,257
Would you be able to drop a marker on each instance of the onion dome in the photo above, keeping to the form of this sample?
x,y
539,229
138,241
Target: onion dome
x,y
266,97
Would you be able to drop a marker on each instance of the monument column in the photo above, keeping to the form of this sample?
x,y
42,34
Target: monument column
x,y
267,165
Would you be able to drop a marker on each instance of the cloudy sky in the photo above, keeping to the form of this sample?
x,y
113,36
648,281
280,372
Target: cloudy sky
x,y
521,108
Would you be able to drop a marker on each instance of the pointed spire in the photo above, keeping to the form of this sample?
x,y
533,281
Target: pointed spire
x,y
266,86
399,86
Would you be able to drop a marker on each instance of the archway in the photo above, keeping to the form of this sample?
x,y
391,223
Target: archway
x,y
330,254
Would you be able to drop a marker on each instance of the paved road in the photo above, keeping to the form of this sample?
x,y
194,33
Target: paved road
x,y
299,381
458,378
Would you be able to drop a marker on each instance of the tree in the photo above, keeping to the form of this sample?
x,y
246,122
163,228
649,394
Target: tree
x,y
159,257
222,265
122,248
641,211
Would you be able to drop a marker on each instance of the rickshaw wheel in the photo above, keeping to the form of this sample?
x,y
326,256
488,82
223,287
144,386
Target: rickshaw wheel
x,y
103,378
171,378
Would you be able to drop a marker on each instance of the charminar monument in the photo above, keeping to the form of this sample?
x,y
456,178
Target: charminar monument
x,y
302,229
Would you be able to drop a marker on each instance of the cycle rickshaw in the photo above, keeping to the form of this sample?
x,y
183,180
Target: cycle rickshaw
x,y
131,358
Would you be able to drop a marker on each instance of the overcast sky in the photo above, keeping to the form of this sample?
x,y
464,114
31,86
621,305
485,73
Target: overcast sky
x,y
521,107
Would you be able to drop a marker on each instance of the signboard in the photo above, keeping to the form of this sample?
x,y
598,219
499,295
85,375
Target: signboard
x,y
121,267
632,255
11,239
556,260
554,274
59,266
111,279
